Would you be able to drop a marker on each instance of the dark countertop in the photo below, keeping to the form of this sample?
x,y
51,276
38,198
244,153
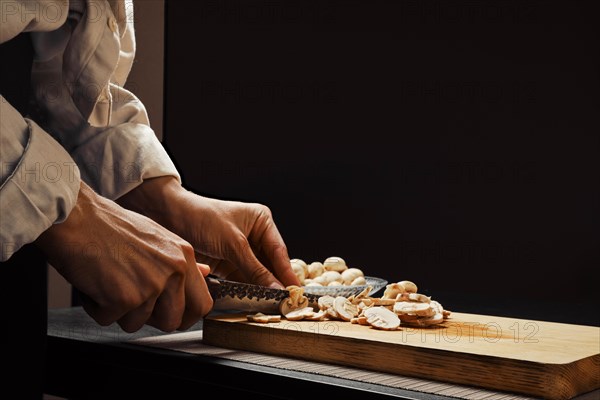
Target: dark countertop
x,y
89,361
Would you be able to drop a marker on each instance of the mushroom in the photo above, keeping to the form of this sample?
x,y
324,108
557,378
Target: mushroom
x,y
301,263
315,269
299,272
262,318
382,318
349,275
427,321
295,301
409,286
359,281
317,316
420,309
393,290
334,283
331,276
344,308
414,297
301,313
325,302
335,264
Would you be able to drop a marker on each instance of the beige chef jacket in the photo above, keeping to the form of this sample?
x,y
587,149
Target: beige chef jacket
x,y
82,125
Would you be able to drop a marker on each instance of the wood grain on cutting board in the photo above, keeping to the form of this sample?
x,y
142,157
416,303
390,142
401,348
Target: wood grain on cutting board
x,y
543,359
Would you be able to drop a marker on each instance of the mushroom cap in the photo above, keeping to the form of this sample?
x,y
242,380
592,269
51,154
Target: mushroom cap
x,y
335,264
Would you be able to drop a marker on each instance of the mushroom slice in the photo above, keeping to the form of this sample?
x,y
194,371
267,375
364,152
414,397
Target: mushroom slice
x,y
446,313
419,298
295,301
325,302
361,296
408,317
299,314
383,302
427,321
345,309
262,318
420,309
317,316
393,290
382,318
409,286
363,320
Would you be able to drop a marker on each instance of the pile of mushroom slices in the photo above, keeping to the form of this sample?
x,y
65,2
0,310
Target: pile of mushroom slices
x,y
400,304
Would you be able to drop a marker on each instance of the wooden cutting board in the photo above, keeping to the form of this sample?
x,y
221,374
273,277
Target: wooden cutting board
x,y
543,359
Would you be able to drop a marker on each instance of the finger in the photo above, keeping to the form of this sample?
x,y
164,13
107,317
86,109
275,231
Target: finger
x,y
104,316
203,268
273,251
135,319
170,305
252,269
198,301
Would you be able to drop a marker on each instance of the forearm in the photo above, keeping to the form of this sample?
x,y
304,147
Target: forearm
x,y
159,199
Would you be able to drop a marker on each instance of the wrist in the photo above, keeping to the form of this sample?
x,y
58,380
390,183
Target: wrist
x,y
157,199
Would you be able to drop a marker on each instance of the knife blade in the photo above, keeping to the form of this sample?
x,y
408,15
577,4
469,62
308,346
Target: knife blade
x,y
238,296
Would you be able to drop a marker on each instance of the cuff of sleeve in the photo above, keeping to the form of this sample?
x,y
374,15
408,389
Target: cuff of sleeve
x,y
41,191
119,159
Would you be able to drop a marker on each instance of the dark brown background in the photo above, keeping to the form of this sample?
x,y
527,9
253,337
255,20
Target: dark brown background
x,y
454,144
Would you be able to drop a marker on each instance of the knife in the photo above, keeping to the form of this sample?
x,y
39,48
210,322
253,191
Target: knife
x,y
239,296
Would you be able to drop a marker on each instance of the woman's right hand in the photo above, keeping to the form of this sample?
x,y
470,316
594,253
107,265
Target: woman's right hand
x,y
128,268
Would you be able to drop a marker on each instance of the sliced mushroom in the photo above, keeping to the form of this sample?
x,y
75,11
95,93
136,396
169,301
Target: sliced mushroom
x,y
295,301
299,314
317,316
382,318
420,309
262,318
409,286
415,297
383,302
427,321
325,302
393,290
345,309
361,296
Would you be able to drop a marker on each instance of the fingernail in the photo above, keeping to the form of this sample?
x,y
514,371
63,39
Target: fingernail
x,y
276,285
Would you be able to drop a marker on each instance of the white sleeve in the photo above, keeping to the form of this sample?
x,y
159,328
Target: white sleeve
x,y
39,181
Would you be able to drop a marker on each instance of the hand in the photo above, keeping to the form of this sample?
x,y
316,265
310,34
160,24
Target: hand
x,y
238,240
128,268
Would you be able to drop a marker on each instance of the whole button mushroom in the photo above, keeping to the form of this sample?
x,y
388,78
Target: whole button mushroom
x,y
315,269
301,263
331,276
350,274
298,271
335,264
